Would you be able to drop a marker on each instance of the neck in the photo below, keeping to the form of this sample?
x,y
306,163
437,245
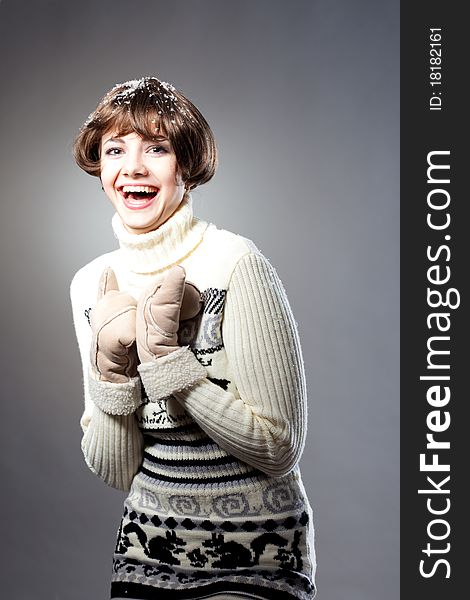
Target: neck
x,y
168,245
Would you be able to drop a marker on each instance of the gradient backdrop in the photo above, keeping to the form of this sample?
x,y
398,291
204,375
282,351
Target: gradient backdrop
x,y
303,97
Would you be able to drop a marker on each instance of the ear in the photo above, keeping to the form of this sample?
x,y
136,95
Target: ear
x,y
108,282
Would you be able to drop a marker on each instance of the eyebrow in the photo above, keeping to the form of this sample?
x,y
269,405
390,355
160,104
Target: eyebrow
x,y
113,139
157,138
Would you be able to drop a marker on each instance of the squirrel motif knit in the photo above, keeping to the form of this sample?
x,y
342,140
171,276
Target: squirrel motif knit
x,y
206,439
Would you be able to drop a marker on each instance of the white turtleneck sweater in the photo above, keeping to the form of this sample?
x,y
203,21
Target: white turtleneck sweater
x,y
261,417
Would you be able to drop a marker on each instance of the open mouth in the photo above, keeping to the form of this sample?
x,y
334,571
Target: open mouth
x,y
138,192
138,196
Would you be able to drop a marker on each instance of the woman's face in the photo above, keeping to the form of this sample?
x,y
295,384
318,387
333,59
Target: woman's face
x,y
140,177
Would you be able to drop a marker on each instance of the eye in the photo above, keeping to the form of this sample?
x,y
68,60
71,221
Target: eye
x,y
157,149
114,151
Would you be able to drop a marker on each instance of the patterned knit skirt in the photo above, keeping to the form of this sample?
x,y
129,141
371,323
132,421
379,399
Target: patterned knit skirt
x,y
199,522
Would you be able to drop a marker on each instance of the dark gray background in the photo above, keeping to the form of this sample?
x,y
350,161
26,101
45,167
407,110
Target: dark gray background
x,y
303,98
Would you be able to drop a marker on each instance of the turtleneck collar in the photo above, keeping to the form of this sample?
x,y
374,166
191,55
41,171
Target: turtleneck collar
x,y
168,245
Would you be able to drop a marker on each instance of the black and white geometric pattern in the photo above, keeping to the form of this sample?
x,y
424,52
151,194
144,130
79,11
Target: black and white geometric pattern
x,y
203,333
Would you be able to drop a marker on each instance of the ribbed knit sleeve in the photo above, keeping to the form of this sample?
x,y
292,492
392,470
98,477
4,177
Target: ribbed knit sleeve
x,y
112,446
266,426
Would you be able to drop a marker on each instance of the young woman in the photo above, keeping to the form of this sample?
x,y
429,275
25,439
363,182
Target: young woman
x,y
195,397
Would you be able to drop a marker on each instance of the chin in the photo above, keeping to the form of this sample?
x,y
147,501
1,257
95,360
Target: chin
x,y
141,226
134,228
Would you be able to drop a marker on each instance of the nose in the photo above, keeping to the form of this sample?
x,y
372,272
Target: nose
x,y
134,164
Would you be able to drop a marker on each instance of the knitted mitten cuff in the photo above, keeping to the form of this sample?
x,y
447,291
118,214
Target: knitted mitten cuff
x,y
171,373
116,398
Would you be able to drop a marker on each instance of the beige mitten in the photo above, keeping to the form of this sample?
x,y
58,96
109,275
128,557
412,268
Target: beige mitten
x,y
159,311
113,349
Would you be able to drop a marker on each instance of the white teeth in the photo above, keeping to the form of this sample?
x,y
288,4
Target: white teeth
x,y
139,188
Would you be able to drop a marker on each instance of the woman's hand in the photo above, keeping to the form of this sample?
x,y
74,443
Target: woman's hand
x,y
159,312
113,322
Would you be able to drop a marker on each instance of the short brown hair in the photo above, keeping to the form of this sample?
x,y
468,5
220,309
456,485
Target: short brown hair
x,y
151,107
